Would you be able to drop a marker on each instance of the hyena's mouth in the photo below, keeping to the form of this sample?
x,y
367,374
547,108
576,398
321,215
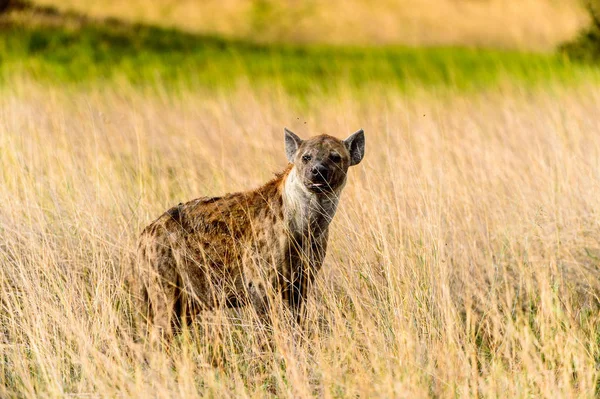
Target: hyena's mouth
x,y
319,187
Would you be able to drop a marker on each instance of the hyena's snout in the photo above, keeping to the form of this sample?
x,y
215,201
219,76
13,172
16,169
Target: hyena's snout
x,y
320,173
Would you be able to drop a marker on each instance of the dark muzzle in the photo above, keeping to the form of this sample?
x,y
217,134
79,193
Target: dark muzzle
x,y
319,173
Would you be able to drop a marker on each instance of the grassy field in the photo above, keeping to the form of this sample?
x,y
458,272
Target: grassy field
x,y
66,49
523,24
463,261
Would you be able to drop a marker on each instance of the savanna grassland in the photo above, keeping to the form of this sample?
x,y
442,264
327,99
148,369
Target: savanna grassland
x,y
463,261
525,24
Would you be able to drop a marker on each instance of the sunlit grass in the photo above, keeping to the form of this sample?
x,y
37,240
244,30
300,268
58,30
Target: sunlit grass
x,y
463,260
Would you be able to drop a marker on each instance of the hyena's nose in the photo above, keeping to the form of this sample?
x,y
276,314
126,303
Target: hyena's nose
x,y
319,170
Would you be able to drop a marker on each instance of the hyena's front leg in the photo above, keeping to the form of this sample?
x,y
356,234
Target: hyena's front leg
x,y
303,272
302,281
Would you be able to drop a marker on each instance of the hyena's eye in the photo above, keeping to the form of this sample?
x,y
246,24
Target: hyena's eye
x,y
306,157
335,157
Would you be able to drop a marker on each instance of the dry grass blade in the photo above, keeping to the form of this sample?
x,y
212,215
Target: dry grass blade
x,y
463,260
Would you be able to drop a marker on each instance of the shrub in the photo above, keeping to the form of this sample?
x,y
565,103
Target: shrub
x,y
586,46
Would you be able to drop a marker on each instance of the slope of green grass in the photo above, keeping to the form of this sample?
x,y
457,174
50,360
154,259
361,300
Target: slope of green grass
x,y
108,51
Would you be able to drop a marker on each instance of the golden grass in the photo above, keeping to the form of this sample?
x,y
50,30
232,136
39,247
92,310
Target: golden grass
x,y
463,260
524,24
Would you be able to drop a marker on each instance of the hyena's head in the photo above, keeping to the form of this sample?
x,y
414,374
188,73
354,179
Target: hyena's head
x,y
322,162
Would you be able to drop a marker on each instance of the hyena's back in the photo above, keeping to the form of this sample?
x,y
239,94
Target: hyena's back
x,y
200,255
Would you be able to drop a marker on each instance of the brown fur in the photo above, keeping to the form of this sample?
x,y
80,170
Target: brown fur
x,y
240,248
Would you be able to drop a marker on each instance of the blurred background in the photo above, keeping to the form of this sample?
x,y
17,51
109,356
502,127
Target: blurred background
x,y
216,42
526,24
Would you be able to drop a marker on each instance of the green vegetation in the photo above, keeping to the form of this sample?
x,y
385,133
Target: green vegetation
x,y
110,50
586,46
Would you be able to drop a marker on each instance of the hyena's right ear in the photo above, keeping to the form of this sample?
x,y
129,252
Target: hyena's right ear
x,y
292,142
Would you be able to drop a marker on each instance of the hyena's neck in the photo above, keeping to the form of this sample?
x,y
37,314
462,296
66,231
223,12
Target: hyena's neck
x,y
307,214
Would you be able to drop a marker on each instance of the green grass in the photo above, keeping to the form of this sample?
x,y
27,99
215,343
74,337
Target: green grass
x,y
110,51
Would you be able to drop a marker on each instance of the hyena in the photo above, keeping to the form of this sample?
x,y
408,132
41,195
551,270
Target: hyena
x,y
244,248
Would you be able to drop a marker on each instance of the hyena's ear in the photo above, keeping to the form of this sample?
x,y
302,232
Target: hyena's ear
x,y
292,142
356,145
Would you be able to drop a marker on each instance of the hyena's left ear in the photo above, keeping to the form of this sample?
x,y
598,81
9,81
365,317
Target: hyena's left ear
x,y
292,142
356,145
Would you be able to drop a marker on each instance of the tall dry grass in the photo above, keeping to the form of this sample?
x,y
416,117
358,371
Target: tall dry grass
x,y
463,260
525,24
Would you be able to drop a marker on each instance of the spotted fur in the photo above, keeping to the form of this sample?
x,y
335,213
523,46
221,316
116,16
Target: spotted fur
x,y
245,247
